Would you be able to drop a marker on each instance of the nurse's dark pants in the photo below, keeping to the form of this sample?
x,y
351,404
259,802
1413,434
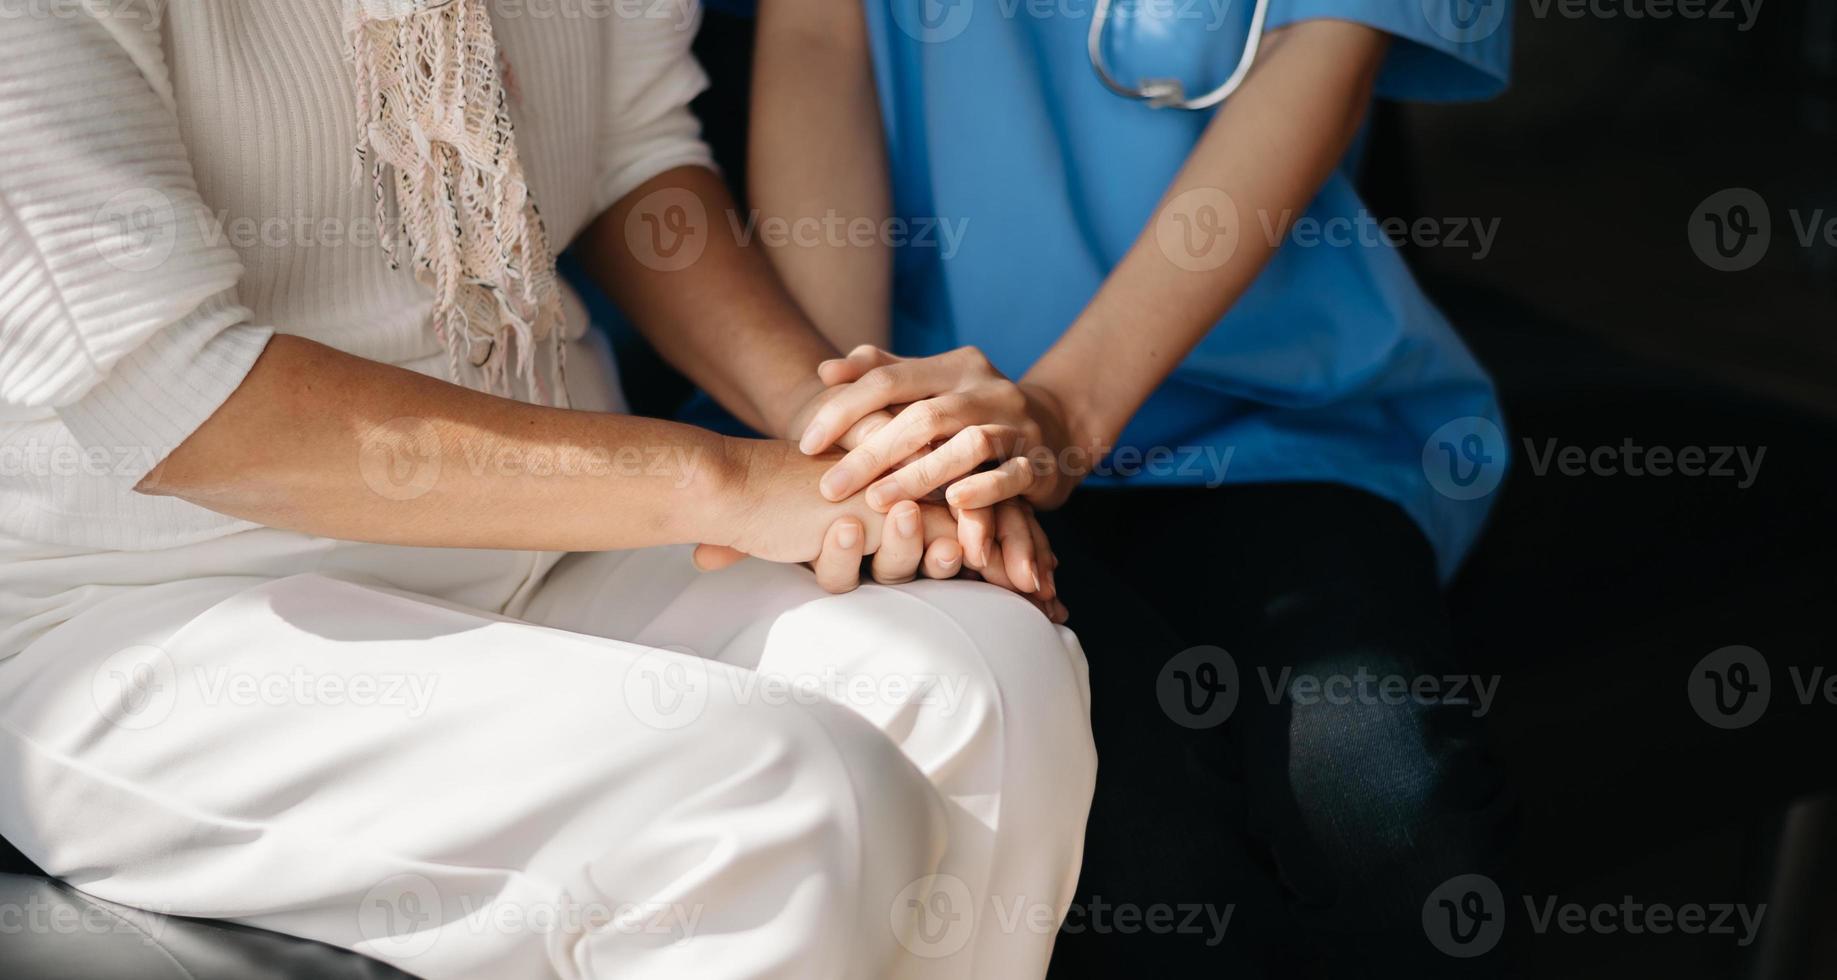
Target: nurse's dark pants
x,y
1322,817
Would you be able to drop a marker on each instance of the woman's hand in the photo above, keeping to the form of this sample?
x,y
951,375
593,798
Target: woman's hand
x,y
775,515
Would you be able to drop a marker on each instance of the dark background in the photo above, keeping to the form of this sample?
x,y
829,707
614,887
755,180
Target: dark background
x,y
1594,597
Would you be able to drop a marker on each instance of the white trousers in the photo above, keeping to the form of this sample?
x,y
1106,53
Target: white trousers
x,y
505,764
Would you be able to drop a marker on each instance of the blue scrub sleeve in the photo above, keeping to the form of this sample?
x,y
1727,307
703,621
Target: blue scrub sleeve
x,y
1445,50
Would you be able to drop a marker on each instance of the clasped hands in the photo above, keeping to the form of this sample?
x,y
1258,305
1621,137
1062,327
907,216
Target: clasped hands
x,y
931,465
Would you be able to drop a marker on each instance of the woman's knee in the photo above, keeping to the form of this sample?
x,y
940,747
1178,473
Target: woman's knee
x,y
840,786
890,830
1004,671
803,815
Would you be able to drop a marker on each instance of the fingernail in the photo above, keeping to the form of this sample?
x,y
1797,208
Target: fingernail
x,y
813,438
1033,575
950,562
848,535
908,523
833,482
881,495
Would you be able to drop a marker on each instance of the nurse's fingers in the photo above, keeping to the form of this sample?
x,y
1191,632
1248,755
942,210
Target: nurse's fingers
x,y
902,545
1005,482
864,430
1015,534
916,426
976,532
1043,554
995,574
882,387
959,456
861,360
838,566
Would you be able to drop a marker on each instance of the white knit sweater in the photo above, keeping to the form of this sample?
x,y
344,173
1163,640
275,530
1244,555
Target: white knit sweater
x,y
176,185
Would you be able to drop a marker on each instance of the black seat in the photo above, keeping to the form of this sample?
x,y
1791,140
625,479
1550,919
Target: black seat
x,y
59,933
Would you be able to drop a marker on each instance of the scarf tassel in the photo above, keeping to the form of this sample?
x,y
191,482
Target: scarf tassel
x,y
436,141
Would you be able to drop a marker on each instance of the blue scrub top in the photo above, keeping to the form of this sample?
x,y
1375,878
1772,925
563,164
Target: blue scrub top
x,y
1332,367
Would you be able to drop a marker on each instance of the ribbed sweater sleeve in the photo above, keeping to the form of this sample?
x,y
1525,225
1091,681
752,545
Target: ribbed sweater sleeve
x,y
118,306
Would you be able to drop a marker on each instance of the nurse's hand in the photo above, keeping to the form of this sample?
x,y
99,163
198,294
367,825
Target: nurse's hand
x,y
961,404
1002,540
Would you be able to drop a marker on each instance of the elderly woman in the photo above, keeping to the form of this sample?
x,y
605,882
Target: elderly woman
x,y
339,598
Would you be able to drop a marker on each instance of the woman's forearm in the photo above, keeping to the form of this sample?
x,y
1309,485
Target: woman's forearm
x,y
826,169
713,307
1267,152
319,441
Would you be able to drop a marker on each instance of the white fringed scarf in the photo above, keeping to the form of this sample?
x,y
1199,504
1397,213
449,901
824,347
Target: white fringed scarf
x,y
432,111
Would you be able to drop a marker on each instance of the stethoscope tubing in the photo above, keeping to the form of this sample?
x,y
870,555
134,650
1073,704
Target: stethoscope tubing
x,y
1100,18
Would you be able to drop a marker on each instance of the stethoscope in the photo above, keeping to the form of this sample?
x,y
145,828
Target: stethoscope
x,y
1168,93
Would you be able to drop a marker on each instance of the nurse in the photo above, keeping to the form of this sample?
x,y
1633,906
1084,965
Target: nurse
x,y
1275,438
